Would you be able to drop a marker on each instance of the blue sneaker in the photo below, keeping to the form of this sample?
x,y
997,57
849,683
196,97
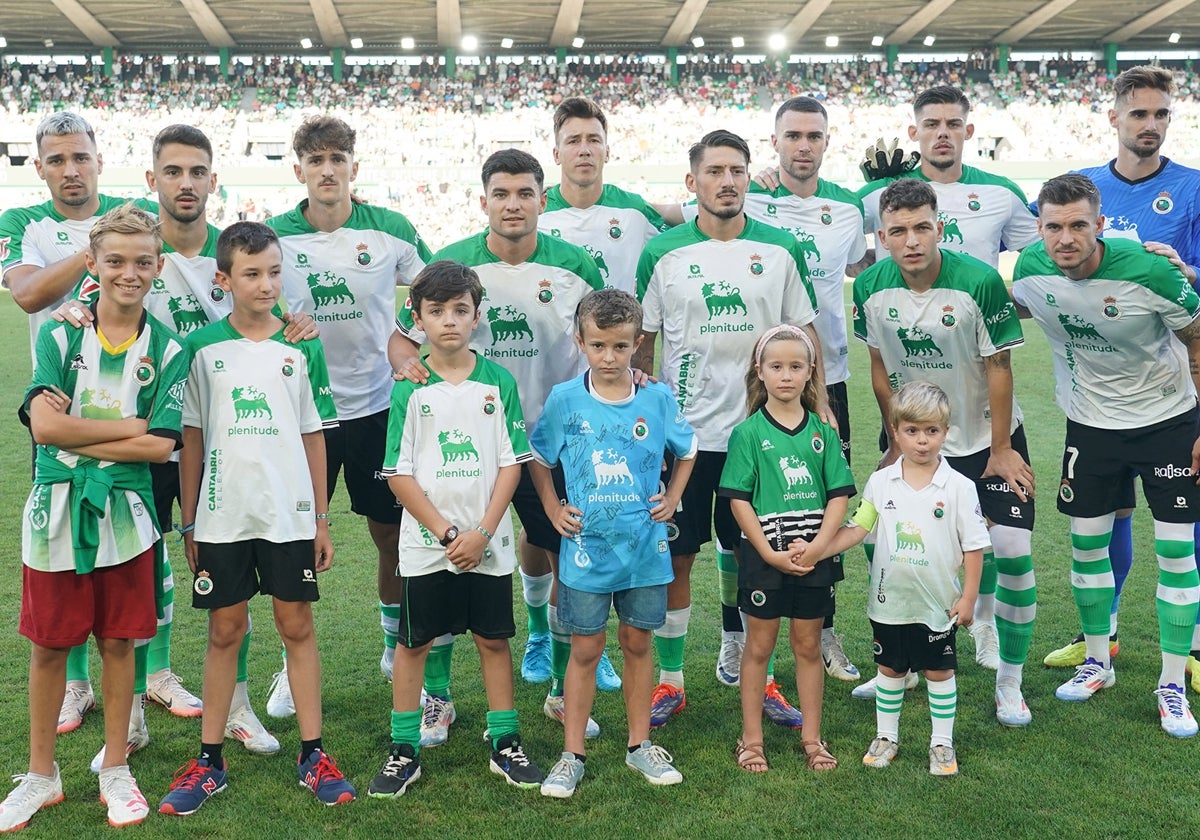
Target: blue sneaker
x,y
666,700
192,787
778,710
607,678
535,665
319,774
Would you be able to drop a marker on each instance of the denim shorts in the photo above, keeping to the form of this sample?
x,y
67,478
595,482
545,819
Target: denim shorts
x,y
586,613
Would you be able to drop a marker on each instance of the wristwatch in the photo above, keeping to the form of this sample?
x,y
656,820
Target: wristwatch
x,y
450,536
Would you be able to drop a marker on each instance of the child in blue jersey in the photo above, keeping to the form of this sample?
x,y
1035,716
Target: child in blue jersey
x,y
610,435
788,486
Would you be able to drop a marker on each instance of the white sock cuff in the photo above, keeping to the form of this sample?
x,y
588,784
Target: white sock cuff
x,y
537,588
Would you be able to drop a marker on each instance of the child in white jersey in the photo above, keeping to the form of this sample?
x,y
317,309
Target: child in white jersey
x,y
786,480
255,406
927,524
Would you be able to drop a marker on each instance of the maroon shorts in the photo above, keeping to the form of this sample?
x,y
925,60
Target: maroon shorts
x,y
61,609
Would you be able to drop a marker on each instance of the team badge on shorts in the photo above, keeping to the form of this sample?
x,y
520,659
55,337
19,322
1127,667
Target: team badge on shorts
x,y
640,429
489,405
1163,204
1065,492
545,291
1111,312
817,443
614,229
758,598
672,530
876,648
756,266
203,584
144,372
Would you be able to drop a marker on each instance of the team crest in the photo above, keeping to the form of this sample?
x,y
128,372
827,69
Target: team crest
x,y
948,316
489,405
939,510
672,530
1110,310
826,215
144,373
216,294
614,229
4,247
545,291
640,429
758,597
288,370
756,266
817,443
973,203
1163,204
203,584
364,256
1065,492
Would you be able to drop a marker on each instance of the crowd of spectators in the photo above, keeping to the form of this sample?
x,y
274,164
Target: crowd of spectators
x,y
420,129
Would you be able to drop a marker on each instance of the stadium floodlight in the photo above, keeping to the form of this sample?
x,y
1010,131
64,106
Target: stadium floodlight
x,y
506,43
777,42
697,42
306,43
407,43
3,42
356,43
929,39
831,40
737,42
1173,38
470,43
48,43
877,41
577,42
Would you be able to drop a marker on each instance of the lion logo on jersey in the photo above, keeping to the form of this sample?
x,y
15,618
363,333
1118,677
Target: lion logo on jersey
x,y
722,299
609,468
808,247
917,342
326,288
456,446
598,256
186,313
250,404
908,537
795,471
511,325
1078,329
950,229
98,404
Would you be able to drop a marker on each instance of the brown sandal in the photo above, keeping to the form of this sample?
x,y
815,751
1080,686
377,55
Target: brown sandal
x,y
751,757
819,760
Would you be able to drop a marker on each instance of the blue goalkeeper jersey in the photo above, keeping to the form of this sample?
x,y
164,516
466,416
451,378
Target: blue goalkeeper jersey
x,y
611,454
1164,207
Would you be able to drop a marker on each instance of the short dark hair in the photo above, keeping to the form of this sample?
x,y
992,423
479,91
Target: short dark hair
x,y
802,105
243,237
578,107
714,140
322,132
512,162
442,280
1069,188
1142,78
907,194
608,308
941,95
183,135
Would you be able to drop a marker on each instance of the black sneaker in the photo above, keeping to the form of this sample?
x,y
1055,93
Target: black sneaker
x,y
510,761
402,768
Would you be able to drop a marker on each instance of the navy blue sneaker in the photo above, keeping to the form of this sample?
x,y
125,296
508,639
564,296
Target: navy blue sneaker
x,y
193,786
319,774
509,760
402,768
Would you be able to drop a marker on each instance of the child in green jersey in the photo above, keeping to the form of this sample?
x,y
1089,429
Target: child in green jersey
x,y
788,485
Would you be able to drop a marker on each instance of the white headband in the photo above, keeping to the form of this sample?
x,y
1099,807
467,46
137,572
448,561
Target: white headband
x,y
791,330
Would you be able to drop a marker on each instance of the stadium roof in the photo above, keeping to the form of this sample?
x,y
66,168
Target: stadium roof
x,y
169,26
